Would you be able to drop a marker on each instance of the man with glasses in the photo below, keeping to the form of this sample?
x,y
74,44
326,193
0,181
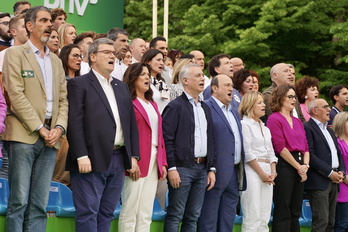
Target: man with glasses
x,y
237,64
327,168
5,36
103,139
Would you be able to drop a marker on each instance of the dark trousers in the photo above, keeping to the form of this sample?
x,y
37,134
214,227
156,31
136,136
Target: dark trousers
x,y
96,195
323,205
287,197
341,221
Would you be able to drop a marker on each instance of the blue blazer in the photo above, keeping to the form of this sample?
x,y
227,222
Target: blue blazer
x,y
236,98
224,147
320,157
91,124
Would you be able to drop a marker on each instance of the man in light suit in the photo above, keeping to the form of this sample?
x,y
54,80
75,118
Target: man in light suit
x,y
327,168
35,84
220,203
103,139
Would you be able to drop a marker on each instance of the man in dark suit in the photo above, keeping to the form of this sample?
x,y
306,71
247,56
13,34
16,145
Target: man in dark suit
x,y
188,136
326,166
220,203
103,139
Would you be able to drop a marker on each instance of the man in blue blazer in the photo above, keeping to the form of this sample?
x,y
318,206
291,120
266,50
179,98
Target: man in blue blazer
x,y
327,168
220,203
103,139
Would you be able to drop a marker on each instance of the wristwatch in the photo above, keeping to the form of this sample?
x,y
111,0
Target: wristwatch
x,y
306,165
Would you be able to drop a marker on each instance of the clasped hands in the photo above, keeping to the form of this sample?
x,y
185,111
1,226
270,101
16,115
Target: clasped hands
x,y
51,137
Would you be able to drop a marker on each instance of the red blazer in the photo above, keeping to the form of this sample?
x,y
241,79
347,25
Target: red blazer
x,y
145,139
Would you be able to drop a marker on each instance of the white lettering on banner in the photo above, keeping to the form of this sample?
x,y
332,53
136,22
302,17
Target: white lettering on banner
x,y
81,8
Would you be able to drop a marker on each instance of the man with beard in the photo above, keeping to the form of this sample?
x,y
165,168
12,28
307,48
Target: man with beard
x,y
37,117
5,37
120,38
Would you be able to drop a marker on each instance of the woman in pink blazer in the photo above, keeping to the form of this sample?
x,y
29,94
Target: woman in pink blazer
x,y
138,193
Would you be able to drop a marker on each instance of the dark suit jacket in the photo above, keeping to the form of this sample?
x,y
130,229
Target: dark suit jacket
x,y
320,157
224,147
179,133
91,124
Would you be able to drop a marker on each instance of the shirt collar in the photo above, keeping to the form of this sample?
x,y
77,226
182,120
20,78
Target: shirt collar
x,y
191,98
102,79
36,50
220,104
320,124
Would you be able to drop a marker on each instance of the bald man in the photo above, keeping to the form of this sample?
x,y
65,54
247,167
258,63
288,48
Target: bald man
x,y
199,59
137,47
237,64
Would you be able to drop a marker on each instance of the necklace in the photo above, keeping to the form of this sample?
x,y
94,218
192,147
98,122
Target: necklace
x,y
288,119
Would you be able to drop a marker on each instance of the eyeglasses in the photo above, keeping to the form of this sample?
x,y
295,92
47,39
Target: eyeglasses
x,y
292,97
239,65
6,23
324,107
107,52
77,56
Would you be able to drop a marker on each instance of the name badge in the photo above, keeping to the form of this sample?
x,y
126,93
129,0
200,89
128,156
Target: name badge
x,y
27,73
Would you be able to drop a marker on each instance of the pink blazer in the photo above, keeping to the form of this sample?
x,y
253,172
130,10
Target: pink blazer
x,y
145,139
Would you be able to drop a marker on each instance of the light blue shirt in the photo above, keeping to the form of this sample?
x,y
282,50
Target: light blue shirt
x,y
233,123
46,70
334,157
201,126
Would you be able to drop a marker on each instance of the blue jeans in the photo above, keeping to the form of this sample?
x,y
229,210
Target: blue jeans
x,y
185,202
341,221
4,167
30,173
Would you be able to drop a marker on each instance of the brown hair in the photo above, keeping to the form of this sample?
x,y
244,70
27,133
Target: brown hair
x,y
277,97
303,84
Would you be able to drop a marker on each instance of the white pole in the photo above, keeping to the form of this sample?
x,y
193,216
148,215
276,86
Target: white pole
x,y
154,18
165,19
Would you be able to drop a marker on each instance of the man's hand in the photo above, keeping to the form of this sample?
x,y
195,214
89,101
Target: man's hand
x,y
336,177
43,132
174,178
303,177
53,137
211,180
164,173
84,165
134,172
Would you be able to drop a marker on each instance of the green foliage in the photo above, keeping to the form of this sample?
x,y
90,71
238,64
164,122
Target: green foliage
x,y
312,35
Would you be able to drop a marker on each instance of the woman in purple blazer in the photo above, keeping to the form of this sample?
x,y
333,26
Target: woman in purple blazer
x,y
139,193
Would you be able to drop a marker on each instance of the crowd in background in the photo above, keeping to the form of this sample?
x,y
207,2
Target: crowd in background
x,y
204,142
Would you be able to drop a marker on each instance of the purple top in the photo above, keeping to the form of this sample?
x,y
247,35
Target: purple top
x,y
342,195
305,112
283,136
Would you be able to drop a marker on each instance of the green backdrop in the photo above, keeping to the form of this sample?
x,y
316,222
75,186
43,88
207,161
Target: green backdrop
x,y
86,15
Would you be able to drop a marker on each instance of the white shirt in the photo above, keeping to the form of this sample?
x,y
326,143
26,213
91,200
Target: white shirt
x,y
110,95
257,141
119,69
161,102
2,55
84,68
153,118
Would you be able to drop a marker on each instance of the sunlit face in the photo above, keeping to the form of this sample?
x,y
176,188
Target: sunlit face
x,y
194,83
289,101
74,59
225,67
259,107
53,42
20,32
142,84
127,60
312,93
156,64
162,46
138,49
59,21
70,35
224,91
284,75
322,111
256,84
247,85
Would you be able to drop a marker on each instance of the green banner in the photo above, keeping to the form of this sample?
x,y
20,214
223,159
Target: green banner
x,y
86,15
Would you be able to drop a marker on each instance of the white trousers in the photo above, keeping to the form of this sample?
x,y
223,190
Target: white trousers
x,y
256,201
137,200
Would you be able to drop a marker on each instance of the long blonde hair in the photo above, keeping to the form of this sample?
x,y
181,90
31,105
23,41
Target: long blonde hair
x,y
61,33
338,124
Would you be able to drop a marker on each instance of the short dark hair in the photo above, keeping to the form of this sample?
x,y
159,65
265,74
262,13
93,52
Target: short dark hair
x,y
64,55
173,53
277,97
148,56
153,42
334,91
239,77
3,15
215,62
17,4
31,15
113,33
303,84
131,76
82,36
58,12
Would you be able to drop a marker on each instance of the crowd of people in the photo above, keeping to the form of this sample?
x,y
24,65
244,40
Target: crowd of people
x,y
118,120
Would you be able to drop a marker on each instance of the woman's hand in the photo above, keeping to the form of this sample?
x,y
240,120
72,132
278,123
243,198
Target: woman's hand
x,y
303,177
164,173
302,169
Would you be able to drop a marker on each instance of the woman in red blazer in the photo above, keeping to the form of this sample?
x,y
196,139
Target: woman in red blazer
x,y
138,193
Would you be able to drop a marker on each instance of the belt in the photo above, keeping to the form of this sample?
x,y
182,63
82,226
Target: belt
x,y
200,160
263,160
335,169
47,123
117,147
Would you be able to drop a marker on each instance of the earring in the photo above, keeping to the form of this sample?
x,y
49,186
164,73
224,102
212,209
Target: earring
x,y
305,97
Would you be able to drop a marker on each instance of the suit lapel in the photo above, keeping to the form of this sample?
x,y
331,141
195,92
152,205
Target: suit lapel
x,y
220,113
141,110
96,85
317,129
